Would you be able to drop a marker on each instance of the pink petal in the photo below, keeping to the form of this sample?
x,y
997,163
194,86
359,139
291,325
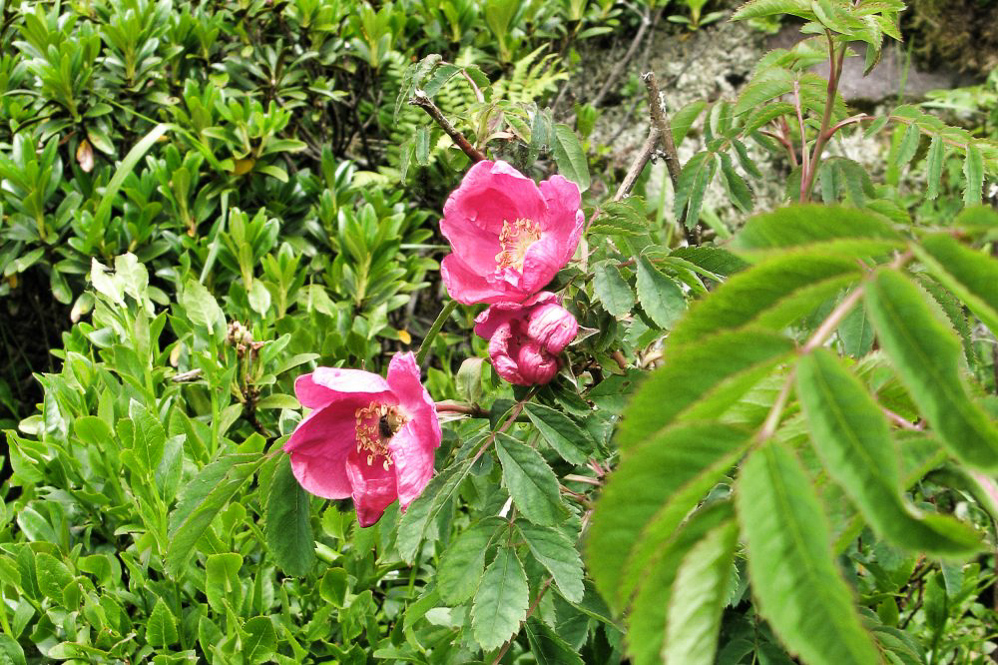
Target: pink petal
x,y
318,448
543,260
553,327
414,400
468,287
373,487
502,355
563,199
502,312
494,192
536,365
329,384
412,452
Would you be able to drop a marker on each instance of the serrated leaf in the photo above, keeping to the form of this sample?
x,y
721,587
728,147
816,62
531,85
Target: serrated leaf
x,y
683,119
934,166
927,356
558,555
909,145
648,495
790,562
973,171
852,439
423,511
771,295
760,8
530,482
691,177
648,617
161,627
463,562
288,527
856,333
547,647
567,438
828,227
698,596
625,217
710,373
201,501
767,85
570,157
612,289
969,274
660,297
738,189
501,602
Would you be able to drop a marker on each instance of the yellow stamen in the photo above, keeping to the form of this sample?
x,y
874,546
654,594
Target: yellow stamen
x,y
515,239
376,425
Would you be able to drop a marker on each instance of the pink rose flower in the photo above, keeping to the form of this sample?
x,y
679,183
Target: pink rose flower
x,y
368,438
509,236
525,339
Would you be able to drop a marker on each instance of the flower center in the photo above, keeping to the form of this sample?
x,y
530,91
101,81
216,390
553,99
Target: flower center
x,y
515,239
376,425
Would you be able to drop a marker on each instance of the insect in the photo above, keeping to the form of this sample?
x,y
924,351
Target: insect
x,y
384,427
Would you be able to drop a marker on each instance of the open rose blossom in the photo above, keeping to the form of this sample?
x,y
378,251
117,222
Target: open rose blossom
x,y
368,438
525,339
509,235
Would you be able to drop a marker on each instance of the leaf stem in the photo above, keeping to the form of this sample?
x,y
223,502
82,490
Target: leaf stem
x,y
420,99
424,348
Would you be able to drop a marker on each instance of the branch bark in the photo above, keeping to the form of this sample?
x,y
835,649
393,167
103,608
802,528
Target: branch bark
x,y
420,99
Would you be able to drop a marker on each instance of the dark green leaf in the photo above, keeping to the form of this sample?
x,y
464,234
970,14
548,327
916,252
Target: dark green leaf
x,y
530,482
571,159
501,602
289,531
558,554
612,289
660,297
463,561
568,439
547,647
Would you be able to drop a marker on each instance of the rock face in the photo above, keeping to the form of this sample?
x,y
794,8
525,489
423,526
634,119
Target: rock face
x,y
961,34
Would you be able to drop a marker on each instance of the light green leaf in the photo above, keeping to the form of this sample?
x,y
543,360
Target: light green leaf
x,y
835,229
200,305
53,575
612,289
501,602
683,119
124,169
760,8
648,495
11,652
422,513
660,297
852,439
794,577
970,275
713,372
769,84
973,171
161,627
570,157
568,439
221,581
698,596
909,145
259,640
771,295
288,529
648,618
558,554
463,562
926,354
530,482
934,164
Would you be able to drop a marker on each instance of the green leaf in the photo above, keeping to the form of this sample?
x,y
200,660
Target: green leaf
x,y
683,119
92,430
714,372
767,85
11,652
422,513
568,154
934,164
973,171
123,171
200,305
834,229
738,189
463,562
221,580
648,495
53,575
612,289
201,501
909,145
161,627
660,297
771,295
530,482
698,596
625,217
558,554
648,619
547,647
501,602
926,354
790,562
288,529
760,8
149,436
856,333
259,640
691,183
970,275
852,439
560,432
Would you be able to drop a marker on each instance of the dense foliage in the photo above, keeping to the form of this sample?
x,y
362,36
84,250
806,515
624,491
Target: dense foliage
x,y
773,438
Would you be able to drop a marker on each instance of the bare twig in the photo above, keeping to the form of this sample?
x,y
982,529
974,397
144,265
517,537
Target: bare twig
x,y
472,410
420,99
638,165
660,117
618,69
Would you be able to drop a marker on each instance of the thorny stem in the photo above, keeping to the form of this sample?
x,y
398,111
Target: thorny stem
x,y
420,99
661,120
